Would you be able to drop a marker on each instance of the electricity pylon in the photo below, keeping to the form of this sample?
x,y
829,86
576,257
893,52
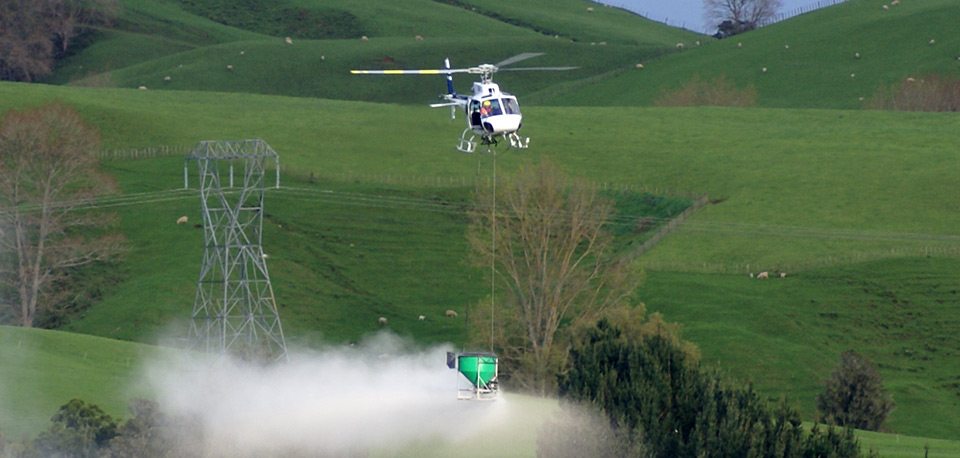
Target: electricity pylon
x,y
234,311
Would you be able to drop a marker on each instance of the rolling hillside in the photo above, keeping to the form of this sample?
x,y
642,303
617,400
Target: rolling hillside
x,y
857,208
144,48
810,59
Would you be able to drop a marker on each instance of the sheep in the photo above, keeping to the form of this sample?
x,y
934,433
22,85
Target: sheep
x,y
895,3
418,38
166,78
911,80
856,55
680,46
852,75
242,52
933,42
264,255
182,220
230,67
763,274
421,318
783,275
697,42
589,9
751,274
451,314
364,38
288,40
786,46
382,320
763,70
639,65
602,43
739,45
885,7
142,88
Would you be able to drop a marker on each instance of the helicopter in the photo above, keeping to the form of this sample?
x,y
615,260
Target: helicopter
x,y
491,113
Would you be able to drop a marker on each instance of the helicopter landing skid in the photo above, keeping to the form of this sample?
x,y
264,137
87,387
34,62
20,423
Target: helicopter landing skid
x,y
517,141
467,144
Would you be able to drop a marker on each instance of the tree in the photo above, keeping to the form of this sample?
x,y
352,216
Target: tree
x,y
66,19
546,237
153,433
79,429
34,33
737,16
661,403
26,51
854,395
47,174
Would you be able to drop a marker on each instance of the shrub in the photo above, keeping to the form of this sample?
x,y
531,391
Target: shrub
x,y
854,395
716,92
930,92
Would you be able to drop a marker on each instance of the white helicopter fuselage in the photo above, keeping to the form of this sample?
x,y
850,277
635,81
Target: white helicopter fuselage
x,y
491,112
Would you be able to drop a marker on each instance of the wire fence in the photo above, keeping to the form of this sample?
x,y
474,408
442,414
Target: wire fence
x,y
143,153
666,229
775,270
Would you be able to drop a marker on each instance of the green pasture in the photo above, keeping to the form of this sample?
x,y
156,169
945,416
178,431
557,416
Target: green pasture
x,y
377,230
790,332
793,189
857,208
810,59
45,369
41,370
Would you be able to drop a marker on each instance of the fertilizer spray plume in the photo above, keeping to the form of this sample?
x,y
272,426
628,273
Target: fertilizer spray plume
x,y
379,395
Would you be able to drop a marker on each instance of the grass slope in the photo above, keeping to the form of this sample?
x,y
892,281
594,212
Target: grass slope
x,y
146,46
819,184
42,370
809,59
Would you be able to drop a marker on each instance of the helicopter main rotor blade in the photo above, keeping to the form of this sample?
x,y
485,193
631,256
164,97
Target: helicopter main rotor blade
x,y
518,58
525,69
435,71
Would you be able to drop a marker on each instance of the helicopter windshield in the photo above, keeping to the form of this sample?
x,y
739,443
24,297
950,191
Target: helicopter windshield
x,y
510,106
490,108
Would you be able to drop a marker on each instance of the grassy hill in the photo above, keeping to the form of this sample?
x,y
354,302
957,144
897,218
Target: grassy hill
x,y
374,237
854,206
146,47
810,59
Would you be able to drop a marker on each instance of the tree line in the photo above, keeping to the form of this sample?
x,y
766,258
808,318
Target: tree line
x,y
35,34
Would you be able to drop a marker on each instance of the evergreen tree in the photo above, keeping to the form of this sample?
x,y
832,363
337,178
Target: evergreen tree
x,y
78,430
662,403
854,395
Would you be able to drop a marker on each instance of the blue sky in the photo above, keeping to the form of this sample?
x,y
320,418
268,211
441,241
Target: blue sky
x,y
686,13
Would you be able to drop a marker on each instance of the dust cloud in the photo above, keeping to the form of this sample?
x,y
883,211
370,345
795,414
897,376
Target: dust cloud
x,y
380,395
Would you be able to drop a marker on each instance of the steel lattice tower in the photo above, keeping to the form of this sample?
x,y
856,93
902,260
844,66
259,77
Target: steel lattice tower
x,y
234,310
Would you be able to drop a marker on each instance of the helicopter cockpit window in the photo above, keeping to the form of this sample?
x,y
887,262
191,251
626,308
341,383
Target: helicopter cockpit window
x,y
490,108
510,106
475,112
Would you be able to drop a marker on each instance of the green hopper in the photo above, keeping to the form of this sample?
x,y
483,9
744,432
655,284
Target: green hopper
x,y
476,375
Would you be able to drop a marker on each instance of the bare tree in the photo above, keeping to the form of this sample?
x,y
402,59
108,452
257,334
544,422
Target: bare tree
x,y
47,174
26,51
66,19
736,16
549,248
34,33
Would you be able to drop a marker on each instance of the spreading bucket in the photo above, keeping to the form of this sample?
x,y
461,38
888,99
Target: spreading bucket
x,y
479,370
